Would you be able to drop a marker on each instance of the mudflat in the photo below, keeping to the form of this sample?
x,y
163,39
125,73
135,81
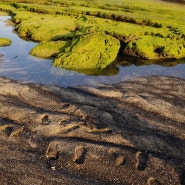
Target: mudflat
x,y
132,132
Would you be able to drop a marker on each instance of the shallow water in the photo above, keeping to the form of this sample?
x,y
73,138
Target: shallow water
x,y
16,63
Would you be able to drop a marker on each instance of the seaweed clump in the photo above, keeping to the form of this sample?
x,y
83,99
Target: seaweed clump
x,y
149,47
47,49
91,51
5,42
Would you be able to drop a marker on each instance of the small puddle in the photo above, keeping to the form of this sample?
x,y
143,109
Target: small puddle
x,y
16,63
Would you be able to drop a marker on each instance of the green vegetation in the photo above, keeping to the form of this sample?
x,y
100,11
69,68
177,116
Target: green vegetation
x,y
146,29
3,13
5,42
39,27
149,47
47,49
95,50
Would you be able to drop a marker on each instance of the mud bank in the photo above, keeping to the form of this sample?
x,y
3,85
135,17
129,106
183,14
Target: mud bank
x,y
127,133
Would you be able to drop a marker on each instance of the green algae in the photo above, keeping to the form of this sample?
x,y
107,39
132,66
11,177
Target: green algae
x,y
149,47
145,29
47,49
42,27
91,51
5,42
3,13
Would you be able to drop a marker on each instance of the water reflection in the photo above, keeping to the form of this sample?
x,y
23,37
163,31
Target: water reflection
x,y
128,61
1,57
111,70
16,63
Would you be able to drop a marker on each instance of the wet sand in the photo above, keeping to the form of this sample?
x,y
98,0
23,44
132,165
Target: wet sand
x,y
127,133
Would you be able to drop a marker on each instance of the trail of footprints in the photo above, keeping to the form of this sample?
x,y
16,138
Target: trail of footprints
x,y
10,130
104,162
99,161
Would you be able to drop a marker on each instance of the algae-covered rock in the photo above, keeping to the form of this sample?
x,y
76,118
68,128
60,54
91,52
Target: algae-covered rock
x,y
153,47
5,42
42,27
47,49
95,50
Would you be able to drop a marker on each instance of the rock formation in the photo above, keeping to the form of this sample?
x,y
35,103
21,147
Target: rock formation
x,y
91,51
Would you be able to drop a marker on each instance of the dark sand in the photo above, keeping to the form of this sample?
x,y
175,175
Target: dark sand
x,y
127,133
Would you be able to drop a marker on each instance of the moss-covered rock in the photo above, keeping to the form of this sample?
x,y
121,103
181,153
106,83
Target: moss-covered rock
x,y
5,42
149,29
47,49
153,47
95,50
42,27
